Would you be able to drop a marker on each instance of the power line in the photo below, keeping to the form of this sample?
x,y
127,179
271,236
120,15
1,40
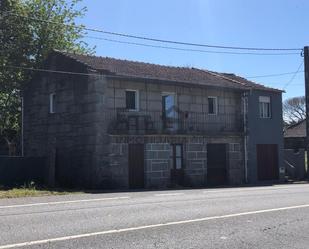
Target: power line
x,y
293,76
160,40
186,49
192,44
51,71
80,73
273,75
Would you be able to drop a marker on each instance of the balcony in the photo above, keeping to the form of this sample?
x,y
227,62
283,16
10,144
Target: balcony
x,y
179,122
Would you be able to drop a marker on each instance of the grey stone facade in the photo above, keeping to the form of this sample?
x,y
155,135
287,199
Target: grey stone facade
x,y
84,150
196,164
158,159
157,164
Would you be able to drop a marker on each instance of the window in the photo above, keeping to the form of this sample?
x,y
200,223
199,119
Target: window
x,y
177,156
212,105
132,100
52,103
169,111
264,105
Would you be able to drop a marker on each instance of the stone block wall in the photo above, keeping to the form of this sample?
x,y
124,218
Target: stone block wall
x,y
195,155
115,174
72,138
158,165
159,160
235,158
192,100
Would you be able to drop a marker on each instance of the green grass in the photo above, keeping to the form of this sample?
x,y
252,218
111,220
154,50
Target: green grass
x,y
31,190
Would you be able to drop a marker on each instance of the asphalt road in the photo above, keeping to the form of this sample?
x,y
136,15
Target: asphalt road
x,y
255,217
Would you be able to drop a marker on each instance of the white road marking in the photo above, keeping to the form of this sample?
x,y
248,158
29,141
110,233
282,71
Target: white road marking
x,y
249,189
169,194
64,202
85,235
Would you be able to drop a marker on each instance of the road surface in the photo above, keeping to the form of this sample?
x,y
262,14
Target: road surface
x,y
250,217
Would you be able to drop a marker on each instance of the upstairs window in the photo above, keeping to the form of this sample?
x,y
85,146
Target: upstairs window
x,y
52,103
264,105
132,100
212,105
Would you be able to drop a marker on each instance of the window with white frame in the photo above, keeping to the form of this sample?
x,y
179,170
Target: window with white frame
x,y
52,103
132,100
212,105
265,107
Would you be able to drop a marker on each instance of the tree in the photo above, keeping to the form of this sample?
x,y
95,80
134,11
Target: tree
x,y
294,110
15,37
29,31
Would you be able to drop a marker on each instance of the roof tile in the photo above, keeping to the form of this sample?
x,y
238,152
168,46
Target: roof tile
x,y
164,73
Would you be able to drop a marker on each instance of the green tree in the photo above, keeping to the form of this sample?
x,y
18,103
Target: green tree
x,y
29,31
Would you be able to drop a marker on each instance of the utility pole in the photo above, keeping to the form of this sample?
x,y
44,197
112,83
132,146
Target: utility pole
x,y
306,69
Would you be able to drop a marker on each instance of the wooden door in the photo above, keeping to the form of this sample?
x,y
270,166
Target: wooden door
x,y
267,162
136,166
217,164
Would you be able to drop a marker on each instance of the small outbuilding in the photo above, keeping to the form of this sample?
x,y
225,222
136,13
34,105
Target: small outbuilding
x,y
295,135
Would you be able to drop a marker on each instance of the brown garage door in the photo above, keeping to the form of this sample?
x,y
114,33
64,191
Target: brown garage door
x,y
267,161
216,164
136,165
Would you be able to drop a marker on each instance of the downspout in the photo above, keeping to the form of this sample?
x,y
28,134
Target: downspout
x,y
245,101
22,126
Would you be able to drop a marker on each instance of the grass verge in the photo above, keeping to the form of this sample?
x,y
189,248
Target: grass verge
x,y
30,190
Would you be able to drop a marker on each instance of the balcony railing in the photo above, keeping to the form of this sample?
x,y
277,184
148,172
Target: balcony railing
x,y
155,122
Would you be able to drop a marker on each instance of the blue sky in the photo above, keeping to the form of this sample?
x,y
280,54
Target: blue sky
x,y
259,23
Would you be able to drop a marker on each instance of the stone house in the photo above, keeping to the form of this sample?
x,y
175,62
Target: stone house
x,y
110,123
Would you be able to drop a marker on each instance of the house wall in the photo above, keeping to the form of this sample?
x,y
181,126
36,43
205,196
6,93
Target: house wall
x,y
192,100
264,130
159,160
79,148
71,137
188,98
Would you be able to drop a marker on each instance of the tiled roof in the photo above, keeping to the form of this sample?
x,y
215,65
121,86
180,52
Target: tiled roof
x,y
250,83
296,130
164,73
